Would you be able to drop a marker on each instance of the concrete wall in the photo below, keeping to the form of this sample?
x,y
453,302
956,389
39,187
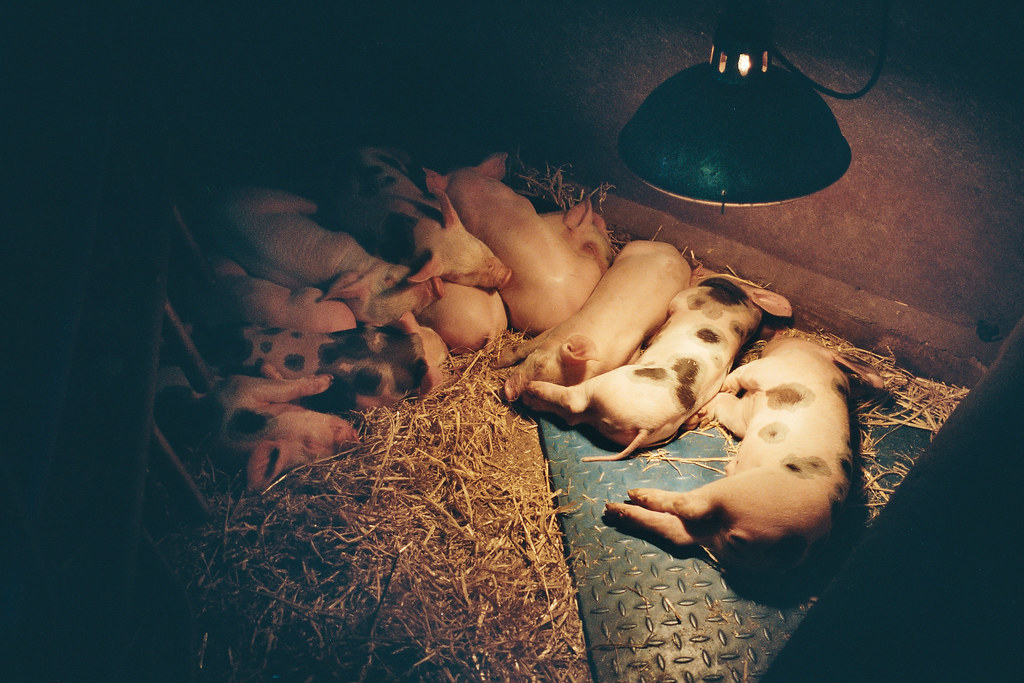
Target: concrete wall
x,y
917,248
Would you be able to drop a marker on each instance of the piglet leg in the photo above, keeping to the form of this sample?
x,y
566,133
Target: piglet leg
x,y
663,524
671,514
731,412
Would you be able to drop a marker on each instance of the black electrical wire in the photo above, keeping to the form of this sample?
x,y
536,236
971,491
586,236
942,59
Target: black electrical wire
x,y
882,50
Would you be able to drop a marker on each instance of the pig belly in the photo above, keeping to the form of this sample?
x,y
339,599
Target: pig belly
x,y
632,298
466,318
537,300
550,279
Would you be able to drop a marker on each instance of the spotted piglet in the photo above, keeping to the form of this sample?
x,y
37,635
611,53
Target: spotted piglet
x,y
254,422
647,402
370,366
376,200
791,473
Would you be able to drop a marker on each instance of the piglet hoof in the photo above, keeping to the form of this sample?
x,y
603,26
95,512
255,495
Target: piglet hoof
x,y
615,511
636,495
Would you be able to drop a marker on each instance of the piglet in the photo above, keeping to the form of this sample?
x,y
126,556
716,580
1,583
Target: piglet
x,y
371,366
376,200
467,318
556,259
791,473
629,303
237,297
270,235
255,420
683,367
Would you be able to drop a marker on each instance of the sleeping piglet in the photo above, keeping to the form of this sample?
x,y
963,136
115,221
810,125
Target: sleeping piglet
x,y
556,258
377,201
467,318
270,235
254,420
645,403
791,473
629,303
370,366
237,297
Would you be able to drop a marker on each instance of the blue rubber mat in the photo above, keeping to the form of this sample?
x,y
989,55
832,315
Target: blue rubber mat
x,y
654,612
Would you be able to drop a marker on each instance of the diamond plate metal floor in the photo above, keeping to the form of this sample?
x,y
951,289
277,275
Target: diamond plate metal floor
x,y
653,612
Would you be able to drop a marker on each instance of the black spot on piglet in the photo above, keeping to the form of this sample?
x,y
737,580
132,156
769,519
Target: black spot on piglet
x,y
788,396
657,374
687,370
350,347
368,381
708,335
399,244
806,467
367,179
272,459
245,423
295,362
773,433
724,292
695,302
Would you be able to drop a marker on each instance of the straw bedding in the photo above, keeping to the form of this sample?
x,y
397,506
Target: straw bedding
x,y
431,551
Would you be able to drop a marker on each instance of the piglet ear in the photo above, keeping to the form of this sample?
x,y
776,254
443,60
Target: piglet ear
x,y
578,349
407,323
433,378
578,214
450,219
770,302
493,166
430,269
862,371
436,183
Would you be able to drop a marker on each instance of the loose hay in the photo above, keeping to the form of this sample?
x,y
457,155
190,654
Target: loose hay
x,y
431,552
555,184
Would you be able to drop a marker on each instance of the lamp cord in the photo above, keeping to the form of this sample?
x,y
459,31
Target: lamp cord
x,y
882,50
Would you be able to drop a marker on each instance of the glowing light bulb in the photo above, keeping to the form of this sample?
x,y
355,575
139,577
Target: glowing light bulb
x,y
743,64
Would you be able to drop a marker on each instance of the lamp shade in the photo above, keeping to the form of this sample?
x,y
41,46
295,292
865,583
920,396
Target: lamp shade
x,y
701,137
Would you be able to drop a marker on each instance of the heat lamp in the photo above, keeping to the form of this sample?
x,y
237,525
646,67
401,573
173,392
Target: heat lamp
x,y
738,129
